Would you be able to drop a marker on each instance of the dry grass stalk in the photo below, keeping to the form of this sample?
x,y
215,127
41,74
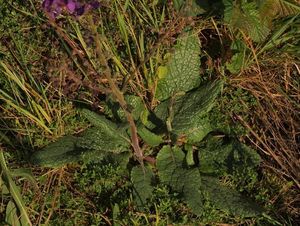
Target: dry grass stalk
x,y
275,125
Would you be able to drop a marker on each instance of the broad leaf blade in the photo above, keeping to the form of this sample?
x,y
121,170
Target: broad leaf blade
x,y
142,180
169,165
134,104
92,145
227,199
58,153
97,138
171,171
190,110
100,121
218,156
183,69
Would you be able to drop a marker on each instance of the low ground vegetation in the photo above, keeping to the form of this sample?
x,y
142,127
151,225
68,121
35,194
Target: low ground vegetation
x,y
149,112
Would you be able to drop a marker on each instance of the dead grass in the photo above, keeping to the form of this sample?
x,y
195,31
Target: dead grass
x,y
275,125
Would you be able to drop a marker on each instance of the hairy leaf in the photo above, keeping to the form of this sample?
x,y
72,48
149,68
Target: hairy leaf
x,y
135,105
169,164
218,156
227,199
92,145
171,171
97,138
100,121
58,153
142,183
183,68
187,113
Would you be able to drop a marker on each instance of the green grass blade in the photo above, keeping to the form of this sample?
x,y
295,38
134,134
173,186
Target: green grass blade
x,y
13,189
274,40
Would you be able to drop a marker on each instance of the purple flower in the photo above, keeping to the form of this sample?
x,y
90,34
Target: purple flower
x,y
71,6
55,7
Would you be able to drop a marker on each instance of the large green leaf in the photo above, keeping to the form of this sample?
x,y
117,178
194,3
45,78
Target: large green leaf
x,y
170,164
142,179
227,199
92,145
172,172
182,72
57,153
187,114
105,136
97,138
218,156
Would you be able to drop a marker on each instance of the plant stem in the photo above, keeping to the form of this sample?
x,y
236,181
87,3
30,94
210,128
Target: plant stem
x,y
103,57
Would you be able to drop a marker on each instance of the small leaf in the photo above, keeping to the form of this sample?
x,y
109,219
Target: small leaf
x,y
190,154
116,214
150,138
4,189
238,60
142,180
